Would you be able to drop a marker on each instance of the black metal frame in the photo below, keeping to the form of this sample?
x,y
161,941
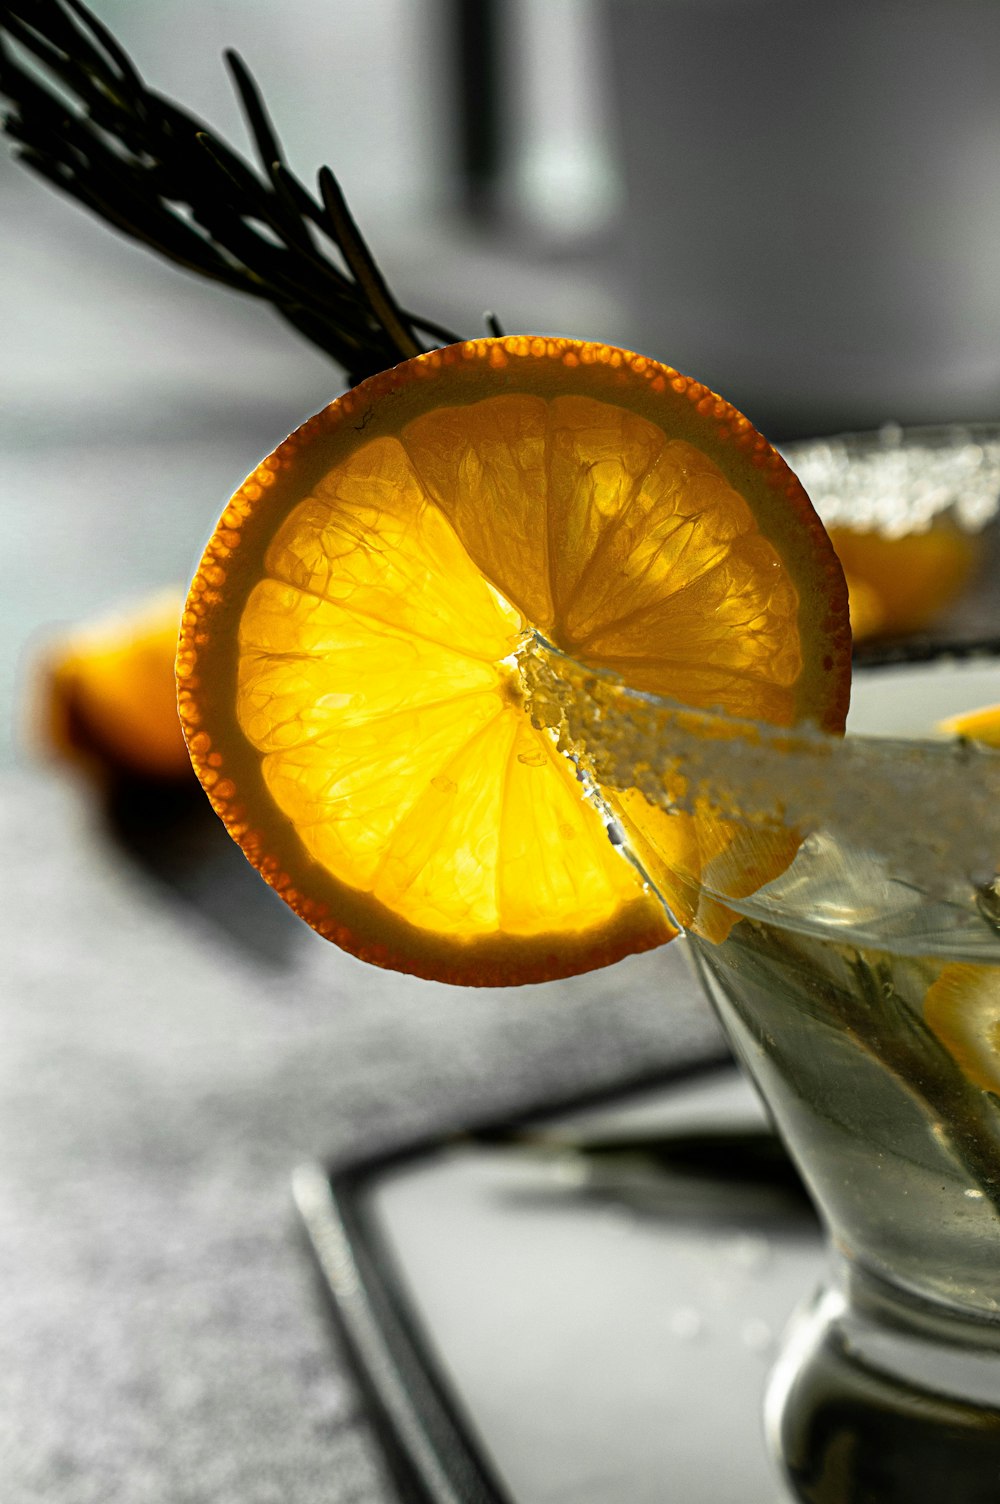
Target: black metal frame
x,y
430,1445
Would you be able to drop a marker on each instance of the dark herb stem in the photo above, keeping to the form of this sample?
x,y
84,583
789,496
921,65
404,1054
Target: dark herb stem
x,y
82,118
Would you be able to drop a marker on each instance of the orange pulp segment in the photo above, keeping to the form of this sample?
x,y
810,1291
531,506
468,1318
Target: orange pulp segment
x,y
348,668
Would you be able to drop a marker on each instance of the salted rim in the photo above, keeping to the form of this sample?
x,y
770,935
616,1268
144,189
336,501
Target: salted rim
x,y
896,480
926,813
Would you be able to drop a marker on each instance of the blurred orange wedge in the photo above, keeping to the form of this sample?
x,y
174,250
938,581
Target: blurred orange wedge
x,y
981,725
901,584
963,1009
349,675
108,696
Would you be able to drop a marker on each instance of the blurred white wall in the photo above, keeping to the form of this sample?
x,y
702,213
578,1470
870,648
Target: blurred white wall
x,y
351,84
564,166
813,220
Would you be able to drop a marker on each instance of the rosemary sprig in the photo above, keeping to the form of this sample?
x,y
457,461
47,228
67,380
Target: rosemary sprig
x,y
154,172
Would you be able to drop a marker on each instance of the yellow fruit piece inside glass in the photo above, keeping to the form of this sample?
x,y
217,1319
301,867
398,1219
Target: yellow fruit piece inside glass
x,y
348,672
962,1007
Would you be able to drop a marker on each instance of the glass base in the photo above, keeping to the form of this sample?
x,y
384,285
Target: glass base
x,y
879,1400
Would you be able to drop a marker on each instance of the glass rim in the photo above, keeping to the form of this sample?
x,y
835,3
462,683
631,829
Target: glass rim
x,y
865,478
929,808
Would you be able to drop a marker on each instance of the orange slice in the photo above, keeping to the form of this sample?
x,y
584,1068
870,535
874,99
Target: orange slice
x,y
349,663
108,699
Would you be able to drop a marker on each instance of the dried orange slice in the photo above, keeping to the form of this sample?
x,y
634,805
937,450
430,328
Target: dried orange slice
x,y
349,662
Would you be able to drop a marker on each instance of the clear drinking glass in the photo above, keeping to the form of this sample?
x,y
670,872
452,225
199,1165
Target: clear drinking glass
x,y
860,988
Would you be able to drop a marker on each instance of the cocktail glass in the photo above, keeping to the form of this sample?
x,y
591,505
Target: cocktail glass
x,y
860,989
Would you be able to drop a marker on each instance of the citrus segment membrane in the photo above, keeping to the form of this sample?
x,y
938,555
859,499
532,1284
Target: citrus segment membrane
x,y
368,540
373,679
351,670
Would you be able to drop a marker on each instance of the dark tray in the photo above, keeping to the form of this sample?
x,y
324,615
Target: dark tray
x,y
546,1325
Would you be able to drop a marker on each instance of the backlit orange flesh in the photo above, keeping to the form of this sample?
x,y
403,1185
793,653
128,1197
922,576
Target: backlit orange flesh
x,y
348,669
